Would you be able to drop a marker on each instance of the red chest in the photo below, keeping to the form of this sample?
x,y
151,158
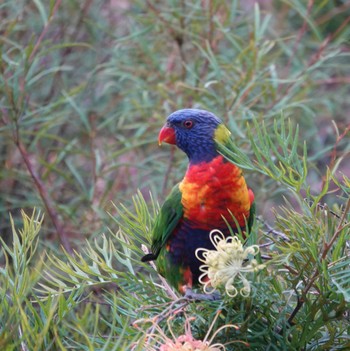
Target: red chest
x,y
212,190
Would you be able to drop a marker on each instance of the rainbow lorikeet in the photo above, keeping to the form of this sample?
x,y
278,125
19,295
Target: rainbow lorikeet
x,y
212,195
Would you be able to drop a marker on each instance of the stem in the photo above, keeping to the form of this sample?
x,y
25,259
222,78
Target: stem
x,y
23,344
272,230
45,196
338,231
300,35
327,247
333,155
310,63
27,158
43,32
167,287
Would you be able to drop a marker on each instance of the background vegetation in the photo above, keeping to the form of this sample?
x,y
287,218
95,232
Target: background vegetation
x,y
84,89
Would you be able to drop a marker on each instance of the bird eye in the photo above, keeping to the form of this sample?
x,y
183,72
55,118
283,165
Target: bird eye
x,y
188,124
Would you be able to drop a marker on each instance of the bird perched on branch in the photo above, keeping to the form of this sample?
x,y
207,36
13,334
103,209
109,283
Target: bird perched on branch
x,y
212,195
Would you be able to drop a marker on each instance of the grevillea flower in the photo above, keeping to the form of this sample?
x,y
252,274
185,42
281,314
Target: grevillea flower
x,y
157,340
227,265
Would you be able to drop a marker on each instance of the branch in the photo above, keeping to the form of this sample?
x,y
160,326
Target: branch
x,y
342,224
167,287
45,196
327,247
43,32
272,230
310,63
300,35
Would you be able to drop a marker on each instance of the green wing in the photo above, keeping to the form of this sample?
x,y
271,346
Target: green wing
x,y
251,216
166,221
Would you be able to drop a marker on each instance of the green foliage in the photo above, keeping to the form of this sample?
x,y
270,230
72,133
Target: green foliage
x,y
299,301
276,154
84,89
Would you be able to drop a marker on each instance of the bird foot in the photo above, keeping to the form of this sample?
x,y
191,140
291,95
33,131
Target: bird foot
x,y
191,295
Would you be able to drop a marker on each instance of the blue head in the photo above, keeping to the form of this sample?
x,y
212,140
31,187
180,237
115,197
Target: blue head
x,y
192,131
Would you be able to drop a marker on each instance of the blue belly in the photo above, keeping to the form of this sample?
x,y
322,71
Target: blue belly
x,y
182,245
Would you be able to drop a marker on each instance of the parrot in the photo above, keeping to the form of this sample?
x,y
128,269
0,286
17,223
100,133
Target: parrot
x,y
212,195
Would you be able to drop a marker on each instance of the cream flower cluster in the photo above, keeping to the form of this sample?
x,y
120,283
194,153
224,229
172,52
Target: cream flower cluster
x,y
158,340
226,265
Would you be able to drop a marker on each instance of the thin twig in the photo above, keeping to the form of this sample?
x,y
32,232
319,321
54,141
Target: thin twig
x,y
167,287
67,50
332,13
92,147
45,196
300,35
332,162
340,227
159,16
23,344
24,347
165,314
310,63
182,301
272,230
332,80
44,31
27,158
327,247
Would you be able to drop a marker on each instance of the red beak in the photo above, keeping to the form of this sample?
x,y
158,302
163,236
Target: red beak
x,y
167,135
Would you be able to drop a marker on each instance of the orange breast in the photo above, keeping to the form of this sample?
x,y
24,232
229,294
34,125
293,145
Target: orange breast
x,y
211,190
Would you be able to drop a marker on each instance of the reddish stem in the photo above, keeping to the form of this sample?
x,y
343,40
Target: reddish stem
x,y
45,196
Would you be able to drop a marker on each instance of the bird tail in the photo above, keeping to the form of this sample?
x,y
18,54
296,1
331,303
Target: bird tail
x,y
149,257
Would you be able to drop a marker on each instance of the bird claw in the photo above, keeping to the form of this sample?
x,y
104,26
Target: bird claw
x,y
191,295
